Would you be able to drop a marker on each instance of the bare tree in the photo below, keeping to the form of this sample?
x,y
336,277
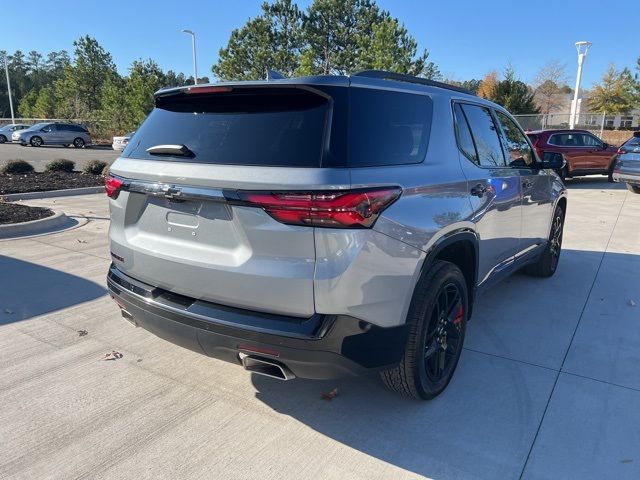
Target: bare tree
x,y
550,85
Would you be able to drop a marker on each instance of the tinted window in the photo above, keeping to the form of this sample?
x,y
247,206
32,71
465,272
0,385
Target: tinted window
x,y
632,142
387,128
590,141
274,127
485,135
518,151
463,135
567,140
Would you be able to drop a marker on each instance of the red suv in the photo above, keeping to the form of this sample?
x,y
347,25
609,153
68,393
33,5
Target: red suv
x,y
585,153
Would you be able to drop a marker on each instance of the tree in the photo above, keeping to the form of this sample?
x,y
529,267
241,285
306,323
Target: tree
x,y
391,48
270,41
515,95
548,86
488,86
45,103
614,93
92,67
331,37
473,85
145,78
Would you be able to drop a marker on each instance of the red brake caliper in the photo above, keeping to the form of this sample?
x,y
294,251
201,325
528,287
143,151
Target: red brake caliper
x,y
459,315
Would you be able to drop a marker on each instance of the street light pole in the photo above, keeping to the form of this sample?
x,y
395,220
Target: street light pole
x,y
6,71
582,48
193,47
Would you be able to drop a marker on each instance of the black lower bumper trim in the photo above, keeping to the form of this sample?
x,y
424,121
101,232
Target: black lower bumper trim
x,y
319,347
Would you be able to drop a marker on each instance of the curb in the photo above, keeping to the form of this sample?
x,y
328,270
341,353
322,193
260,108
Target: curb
x,y
12,197
34,226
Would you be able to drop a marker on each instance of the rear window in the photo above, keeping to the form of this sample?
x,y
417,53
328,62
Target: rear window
x,y
288,127
268,127
632,142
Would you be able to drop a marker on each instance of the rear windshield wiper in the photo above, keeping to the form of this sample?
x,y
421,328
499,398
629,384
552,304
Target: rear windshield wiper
x,y
173,150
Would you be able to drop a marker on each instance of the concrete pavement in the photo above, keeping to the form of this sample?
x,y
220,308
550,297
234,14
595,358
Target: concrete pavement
x,y
548,385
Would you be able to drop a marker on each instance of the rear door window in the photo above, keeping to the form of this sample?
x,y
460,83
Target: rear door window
x,y
567,140
485,135
387,128
262,127
517,149
463,135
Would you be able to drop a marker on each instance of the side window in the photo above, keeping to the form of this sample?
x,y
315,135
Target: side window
x,y
463,135
485,135
566,140
590,141
518,151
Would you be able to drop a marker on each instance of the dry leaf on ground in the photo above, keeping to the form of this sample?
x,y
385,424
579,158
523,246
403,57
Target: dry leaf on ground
x,y
331,395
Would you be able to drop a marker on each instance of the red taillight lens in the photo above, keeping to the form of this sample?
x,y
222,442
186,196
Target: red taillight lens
x,y
620,151
352,209
112,186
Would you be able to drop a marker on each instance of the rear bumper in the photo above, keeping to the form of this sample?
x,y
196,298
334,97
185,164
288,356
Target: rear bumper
x,y
319,347
626,177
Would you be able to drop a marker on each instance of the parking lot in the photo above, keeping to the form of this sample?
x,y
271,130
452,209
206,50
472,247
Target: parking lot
x,y
39,157
548,385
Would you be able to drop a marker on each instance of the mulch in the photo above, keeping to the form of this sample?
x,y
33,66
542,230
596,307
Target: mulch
x,y
17,213
44,181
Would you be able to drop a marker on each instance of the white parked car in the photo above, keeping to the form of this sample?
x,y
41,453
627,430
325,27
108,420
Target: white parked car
x,y
120,142
7,131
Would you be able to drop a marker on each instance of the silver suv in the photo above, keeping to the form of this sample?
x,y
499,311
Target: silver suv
x,y
325,226
48,133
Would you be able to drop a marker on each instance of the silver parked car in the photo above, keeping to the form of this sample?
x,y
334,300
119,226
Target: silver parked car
x,y
7,130
48,133
325,226
626,167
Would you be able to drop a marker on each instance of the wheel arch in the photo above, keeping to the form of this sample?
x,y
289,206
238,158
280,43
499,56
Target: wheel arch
x,y
459,247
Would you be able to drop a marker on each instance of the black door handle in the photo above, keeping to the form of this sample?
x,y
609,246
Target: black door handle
x,y
479,190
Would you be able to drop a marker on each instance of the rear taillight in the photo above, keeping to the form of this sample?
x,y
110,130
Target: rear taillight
x,y
620,151
350,209
112,186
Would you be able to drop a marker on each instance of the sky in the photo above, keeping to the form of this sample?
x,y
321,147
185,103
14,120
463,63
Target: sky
x,y
465,38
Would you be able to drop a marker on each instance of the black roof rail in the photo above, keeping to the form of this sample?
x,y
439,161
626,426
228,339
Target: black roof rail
x,y
401,77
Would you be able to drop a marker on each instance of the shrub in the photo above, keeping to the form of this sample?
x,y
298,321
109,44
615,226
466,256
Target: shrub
x,y
60,165
16,167
105,170
95,167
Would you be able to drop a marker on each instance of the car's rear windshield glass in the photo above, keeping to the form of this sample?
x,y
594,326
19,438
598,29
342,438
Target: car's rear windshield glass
x,y
632,142
387,127
261,127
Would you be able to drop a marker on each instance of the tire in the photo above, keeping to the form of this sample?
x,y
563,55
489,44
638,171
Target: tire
x,y
78,142
435,340
547,264
3,139
633,188
36,141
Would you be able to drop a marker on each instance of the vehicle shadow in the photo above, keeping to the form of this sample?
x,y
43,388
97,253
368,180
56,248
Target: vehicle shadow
x,y
484,423
28,290
593,183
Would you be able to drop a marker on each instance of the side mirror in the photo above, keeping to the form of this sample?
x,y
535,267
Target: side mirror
x,y
605,146
554,161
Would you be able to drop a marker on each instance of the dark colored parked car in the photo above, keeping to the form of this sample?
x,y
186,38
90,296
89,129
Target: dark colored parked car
x,y
627,164
585,153
324,226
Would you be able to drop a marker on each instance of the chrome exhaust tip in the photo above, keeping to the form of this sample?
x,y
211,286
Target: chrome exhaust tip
x,y
268,368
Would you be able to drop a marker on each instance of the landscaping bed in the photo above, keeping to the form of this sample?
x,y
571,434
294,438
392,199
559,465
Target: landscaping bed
x,y
17,213
45,181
